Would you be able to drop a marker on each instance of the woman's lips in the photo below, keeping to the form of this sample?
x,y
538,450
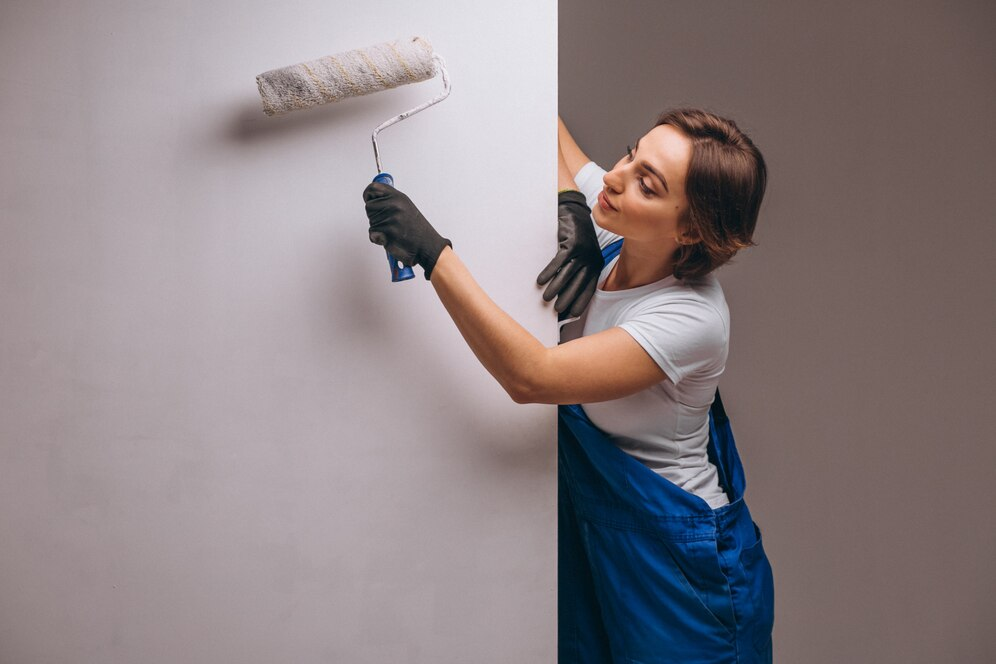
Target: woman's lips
x,y
603,200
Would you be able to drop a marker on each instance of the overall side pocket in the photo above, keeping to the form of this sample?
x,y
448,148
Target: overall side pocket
x,y
760,587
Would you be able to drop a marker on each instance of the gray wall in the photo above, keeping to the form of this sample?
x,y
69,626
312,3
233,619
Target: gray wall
x,y
860,371
225,436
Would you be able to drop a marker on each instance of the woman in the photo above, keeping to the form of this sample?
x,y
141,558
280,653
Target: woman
x,y
660,560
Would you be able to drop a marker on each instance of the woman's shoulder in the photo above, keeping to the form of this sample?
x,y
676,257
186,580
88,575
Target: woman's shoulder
x,y
709,290
697,304
705,290
684,326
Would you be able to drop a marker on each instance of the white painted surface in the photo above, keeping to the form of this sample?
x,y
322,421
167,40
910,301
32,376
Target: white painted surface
x,y
225,436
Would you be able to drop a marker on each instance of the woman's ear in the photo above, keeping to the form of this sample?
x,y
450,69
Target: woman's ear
x,y
686,233
687,237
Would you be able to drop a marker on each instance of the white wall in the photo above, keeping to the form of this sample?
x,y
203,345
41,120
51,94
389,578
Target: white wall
x,y
225,436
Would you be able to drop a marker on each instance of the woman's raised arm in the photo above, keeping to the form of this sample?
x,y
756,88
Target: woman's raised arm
x,y
600,367
573,156
565,179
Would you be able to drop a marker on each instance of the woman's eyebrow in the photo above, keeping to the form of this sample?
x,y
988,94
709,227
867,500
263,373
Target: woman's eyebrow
x,y
651,168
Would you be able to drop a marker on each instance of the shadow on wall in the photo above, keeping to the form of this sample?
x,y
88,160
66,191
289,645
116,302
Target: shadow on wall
x,y
249,123
482,432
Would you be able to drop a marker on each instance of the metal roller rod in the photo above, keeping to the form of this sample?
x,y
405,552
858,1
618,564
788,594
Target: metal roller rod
x,y
398,118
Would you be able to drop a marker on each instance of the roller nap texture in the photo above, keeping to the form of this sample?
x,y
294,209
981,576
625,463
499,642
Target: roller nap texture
x,y
348,74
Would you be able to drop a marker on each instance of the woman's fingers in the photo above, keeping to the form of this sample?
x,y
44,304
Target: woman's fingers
x,y
557,284
571,290
375,192
551,269
582,300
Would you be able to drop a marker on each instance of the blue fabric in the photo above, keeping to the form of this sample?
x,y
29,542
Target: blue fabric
x,y
610,251
648,572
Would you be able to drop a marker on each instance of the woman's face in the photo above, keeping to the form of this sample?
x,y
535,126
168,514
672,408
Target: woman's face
x,y
644,194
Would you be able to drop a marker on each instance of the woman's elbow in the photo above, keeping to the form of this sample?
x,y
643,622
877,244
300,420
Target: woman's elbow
x,y
521,393
526,392
536,384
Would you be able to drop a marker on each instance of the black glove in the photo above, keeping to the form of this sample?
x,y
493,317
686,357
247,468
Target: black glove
x,y
398,225
578,262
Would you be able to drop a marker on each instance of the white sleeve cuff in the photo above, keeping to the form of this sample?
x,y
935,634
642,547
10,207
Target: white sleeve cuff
x,y
589,182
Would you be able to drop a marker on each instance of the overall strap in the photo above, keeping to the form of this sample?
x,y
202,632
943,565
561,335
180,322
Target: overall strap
x,y
717,411
611,251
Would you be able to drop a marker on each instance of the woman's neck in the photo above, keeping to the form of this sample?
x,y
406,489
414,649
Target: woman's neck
x,y
640,265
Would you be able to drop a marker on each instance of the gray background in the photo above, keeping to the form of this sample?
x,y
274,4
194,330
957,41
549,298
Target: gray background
x,y
225,436
859,383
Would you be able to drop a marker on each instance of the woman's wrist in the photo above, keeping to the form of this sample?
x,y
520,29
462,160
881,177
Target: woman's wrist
x,y
443,263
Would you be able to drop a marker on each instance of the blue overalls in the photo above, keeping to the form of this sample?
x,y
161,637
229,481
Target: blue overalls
x,y
648,572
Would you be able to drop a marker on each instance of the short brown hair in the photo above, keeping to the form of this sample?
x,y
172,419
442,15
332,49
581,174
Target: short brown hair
x,y
725,184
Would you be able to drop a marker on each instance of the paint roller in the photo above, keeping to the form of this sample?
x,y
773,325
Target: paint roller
x,y
352,74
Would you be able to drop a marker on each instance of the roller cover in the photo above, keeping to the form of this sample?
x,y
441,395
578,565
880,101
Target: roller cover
x,y
348,74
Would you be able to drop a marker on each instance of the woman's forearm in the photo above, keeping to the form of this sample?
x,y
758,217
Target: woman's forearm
x,y
506,349
574,157
516,359
564,178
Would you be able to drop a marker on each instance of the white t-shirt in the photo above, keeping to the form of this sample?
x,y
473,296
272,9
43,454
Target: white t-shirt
x,y
685,327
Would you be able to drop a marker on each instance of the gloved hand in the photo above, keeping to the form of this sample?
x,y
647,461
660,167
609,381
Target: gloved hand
x,y
578,262
397,224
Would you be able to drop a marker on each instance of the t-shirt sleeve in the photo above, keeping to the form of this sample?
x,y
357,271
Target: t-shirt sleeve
x,y
589,182
683,337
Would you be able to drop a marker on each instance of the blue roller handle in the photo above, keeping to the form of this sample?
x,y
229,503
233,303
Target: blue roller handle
x,y
398,271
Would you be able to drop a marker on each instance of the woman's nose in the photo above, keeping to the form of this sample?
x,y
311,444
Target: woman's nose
x,y
613,180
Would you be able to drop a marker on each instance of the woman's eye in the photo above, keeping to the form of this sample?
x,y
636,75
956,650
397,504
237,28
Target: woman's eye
x,y
647,191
